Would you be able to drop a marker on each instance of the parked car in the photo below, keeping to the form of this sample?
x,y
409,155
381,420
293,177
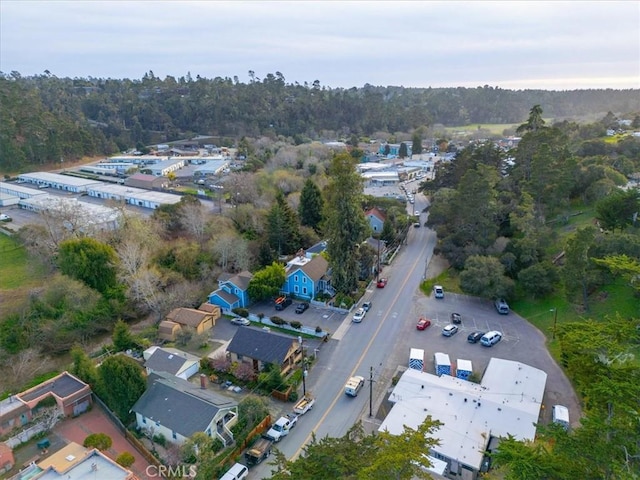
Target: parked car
x,y
474,337
366,306
301,307
501,306
423,323
450,330
416,225
489,339
456,318
438,291
5,218
417,213
240,321
359,315
382,282
282,302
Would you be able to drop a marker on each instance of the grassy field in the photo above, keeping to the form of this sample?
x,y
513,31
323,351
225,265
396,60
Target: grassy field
x,y
493,128
17,274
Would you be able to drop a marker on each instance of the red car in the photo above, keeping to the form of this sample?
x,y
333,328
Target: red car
x,y
382,282
423,323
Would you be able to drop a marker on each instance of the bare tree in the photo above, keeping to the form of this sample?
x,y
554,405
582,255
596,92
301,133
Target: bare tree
x,y
194,220
22,367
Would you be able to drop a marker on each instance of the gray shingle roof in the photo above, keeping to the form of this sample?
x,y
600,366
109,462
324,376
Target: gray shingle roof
x,y
268,347
179,405
163,361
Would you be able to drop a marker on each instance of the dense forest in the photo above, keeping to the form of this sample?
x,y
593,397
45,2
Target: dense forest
x,y
44,118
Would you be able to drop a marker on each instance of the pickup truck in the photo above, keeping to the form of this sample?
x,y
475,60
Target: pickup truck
x,y
258,451
282,427
304,404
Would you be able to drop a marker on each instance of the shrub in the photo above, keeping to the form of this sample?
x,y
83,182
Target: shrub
x,y
221,363
101,441
244,371
160,439
242,312
261,316
277,321
295,324
318,329
125,459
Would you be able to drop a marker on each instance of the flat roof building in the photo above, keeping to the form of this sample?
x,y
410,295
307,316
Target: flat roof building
x,y
67,183
132,195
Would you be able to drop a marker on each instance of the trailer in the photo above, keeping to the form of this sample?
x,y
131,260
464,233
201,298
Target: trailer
x,y
442,363
304,404
416,359
464,369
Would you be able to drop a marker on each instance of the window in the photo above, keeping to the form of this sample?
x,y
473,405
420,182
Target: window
x,y
304,279
239,358
304,290
295,278
296,289
144,420
173,434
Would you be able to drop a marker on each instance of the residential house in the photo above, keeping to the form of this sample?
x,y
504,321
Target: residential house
x,y
74,461
259,347
306,278
232,291
198,320
171,360
72,397
177,409
474,416
376,219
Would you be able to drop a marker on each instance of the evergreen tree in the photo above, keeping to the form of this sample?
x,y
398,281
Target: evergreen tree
x,y
346,225
416,141
282,227
311,205
403,152
121,382
89,261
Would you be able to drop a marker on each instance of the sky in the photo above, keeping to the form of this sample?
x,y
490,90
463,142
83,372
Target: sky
x,y
516,45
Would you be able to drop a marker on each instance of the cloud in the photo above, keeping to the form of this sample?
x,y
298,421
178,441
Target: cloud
x,y
342,44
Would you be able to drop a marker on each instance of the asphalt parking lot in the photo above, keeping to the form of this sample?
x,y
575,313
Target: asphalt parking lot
x,y
520,342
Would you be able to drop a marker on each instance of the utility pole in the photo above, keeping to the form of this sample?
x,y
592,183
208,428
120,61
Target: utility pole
x,y
304,367
370,391
555,321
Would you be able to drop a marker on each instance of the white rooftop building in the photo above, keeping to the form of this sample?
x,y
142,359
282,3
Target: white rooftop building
x,y
132,195
67,183
507,402
74,214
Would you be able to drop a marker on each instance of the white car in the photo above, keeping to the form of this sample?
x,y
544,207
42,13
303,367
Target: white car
x,y
240,321
417,213
359,315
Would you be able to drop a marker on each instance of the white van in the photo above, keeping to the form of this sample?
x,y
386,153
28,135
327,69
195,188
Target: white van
x,y
237,472
489,339
353,386
560,415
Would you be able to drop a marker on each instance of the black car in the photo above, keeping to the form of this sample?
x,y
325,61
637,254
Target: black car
x,y
474,337
456,318
301,307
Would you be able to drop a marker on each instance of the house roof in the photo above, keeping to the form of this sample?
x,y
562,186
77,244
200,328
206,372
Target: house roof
x,y
317,248
315,268
263,345
62,386
187,316
240,280
143,177
209,308
167,326
179,405
230,298
376,213
165,361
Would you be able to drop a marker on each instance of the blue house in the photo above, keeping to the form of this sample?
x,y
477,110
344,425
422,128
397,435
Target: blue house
x,y
232,291
376,219
306,278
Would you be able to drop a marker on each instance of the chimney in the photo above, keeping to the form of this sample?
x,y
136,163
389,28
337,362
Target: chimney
x,y
203,381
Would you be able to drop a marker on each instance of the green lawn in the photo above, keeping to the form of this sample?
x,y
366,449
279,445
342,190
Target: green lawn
x,y
13,264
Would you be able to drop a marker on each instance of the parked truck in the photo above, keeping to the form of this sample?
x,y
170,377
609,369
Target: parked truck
x,y
258,451
353,386
282,427
304,404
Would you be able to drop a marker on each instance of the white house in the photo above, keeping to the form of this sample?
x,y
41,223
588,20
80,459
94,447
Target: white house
x,y
171,360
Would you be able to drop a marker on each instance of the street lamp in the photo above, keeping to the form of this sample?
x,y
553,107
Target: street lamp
x,y
555,321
